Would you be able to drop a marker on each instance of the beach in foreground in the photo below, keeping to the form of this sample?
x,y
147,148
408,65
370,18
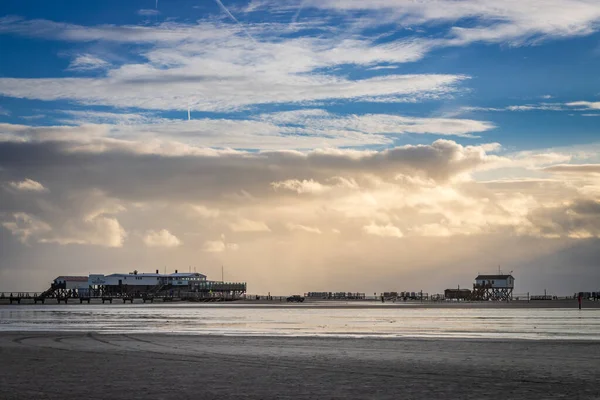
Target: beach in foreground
x,y
157,366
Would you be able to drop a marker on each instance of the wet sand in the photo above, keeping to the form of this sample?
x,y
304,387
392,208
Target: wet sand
x,y
562,303
152,366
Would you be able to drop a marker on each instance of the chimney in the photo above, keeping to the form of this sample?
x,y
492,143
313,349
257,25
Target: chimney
x,y
157,271
175,271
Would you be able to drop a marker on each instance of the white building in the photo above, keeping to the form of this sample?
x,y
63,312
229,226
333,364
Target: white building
x,y
145,279
71,282
495,281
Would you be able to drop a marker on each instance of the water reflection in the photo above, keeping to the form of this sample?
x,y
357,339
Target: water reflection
x,y
377,322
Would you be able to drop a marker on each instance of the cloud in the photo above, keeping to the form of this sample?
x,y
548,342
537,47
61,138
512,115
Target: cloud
x,y
96,230
87,62
217,58
382,230
300,129
540,107
83,217
569,106
579,219
513,22
162,238
430,195
426,191
88,117
28,185
303,228
4,111
165,90
219,246
23,226
220,173
377,123
300,187
211,56
145,12
205,212
574,168
523,107
590,105
246,225
226,11
33,117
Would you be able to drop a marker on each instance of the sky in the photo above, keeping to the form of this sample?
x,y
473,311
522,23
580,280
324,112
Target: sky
x,y
303,145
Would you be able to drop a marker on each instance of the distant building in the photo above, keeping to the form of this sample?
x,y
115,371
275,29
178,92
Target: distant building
x,y
458,294
71,282
496,281
143,284
144,280
493,287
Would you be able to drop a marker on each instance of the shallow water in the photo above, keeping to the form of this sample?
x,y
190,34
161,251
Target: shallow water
x,y
306,321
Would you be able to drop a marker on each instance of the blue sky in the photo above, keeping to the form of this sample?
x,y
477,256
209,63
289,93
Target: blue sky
x,y
316,131
543,69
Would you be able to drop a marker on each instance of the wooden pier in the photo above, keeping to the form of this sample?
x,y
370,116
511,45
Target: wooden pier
x,y
197,291
36,297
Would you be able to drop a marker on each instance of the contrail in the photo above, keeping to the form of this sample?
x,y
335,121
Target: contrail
x,y
189,113
226,11
295,17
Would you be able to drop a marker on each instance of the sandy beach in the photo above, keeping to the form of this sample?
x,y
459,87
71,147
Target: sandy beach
x,y
153,366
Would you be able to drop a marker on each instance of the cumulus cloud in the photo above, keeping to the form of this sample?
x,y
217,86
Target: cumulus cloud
x,y
415,194
383,230
219,246
579,219
161,238
28,185
23,226
84,217
95,230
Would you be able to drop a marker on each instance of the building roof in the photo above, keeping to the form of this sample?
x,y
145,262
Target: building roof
x,y
72,278
186,274
155,275
499,277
